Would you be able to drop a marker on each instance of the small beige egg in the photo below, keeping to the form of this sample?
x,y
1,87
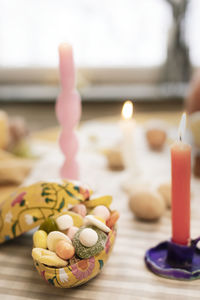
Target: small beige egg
x,y
165,191
88,237
115,159
147,205
156,138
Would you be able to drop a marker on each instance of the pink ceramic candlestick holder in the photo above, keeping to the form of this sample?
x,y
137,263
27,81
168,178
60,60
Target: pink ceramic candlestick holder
x,y
68,112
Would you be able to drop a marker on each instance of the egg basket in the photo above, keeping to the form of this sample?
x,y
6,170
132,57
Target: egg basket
x,y
80,272
29,206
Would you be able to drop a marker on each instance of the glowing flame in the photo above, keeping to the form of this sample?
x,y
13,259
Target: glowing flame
x,y
182,126
127,110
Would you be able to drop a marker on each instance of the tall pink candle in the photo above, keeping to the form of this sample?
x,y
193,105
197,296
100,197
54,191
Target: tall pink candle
x,y
181,173
68,112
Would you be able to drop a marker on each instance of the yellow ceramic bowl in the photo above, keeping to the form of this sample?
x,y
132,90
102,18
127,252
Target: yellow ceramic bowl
x,y
79,272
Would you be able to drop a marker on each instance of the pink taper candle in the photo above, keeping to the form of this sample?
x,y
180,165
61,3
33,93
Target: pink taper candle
x,y
68,111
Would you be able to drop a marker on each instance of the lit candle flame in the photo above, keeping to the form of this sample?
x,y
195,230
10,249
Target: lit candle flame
x,y
182,126
127,110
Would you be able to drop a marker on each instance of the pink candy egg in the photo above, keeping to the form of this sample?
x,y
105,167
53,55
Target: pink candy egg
x,y
64,250
101,211
80,209
72,231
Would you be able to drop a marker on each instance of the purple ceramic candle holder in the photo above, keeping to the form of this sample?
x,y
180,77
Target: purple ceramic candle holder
x,y
175,261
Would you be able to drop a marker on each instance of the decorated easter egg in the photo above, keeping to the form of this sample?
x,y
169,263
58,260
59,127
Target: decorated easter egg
x,y
64,222
86,252
147,205
101,211
53,238
88,237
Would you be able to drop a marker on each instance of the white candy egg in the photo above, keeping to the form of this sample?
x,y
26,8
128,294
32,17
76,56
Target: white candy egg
x,y
88,237
55,236
64,222
101,211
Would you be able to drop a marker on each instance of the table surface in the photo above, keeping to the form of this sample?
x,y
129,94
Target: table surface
x,y
125,275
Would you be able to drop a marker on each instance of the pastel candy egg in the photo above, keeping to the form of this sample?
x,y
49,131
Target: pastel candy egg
x,y
92,220
64,250
40,239
54,237
114,216
86,252
80,209
72,231
48,258
88,237
101,211
64,222
49,225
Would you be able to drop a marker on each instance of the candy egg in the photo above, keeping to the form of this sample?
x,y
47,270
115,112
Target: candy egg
x,y
92,220
114,216
64,222
72,231
49,225
80,209
88,237
64,250
53,238
40,239
101,211
86,252
48,258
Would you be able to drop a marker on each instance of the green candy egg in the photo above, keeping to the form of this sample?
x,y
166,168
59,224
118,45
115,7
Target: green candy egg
x,y
87,252
49,225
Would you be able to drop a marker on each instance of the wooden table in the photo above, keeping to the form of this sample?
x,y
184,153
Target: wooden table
x,y
125,275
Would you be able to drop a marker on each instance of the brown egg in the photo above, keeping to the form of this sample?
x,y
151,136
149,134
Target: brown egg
x,y
115,159
165,191
156,138
147,205
193,100
197,165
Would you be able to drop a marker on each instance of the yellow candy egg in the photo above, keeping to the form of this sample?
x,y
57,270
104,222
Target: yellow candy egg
x,y
40,239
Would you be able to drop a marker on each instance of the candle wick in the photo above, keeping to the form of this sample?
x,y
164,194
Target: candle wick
x,y
180,137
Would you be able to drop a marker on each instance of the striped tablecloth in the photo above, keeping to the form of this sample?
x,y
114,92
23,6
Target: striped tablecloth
x,y
125,275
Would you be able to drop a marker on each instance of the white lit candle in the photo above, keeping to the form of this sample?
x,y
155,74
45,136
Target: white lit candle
x,y
128,125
